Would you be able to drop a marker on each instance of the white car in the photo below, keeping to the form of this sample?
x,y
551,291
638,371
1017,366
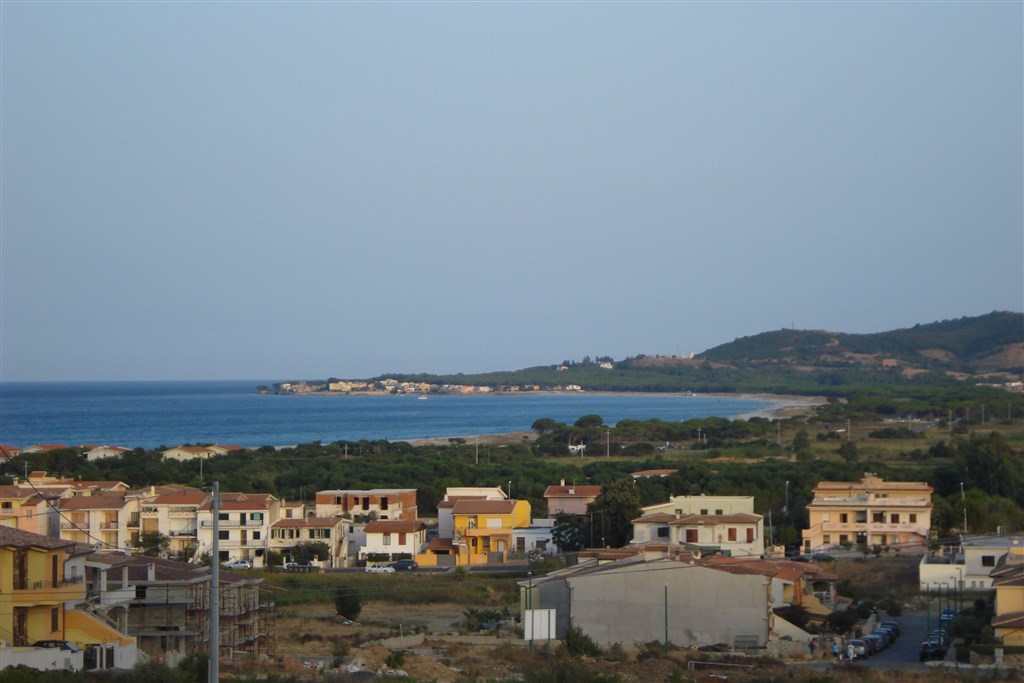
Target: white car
x,y
237,564
379,569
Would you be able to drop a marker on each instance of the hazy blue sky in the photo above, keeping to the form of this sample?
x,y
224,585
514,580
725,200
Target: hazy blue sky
x,y
286,190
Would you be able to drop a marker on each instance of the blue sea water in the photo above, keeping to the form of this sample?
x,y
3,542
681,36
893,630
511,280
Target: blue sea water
x,y
153,414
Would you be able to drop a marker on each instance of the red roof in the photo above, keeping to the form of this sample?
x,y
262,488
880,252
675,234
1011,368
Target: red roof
x,y
484,507
104,500
572,492
395,526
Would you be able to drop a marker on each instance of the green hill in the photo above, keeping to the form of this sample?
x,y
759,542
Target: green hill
x,y
954,354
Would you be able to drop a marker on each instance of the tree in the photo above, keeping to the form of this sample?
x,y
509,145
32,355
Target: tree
x,y
801,441
311,550
348,603
569,533
848,451
589,421
544,424
153,543
613,511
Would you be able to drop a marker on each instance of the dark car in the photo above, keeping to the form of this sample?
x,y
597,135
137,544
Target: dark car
x,y
822,557
932,649
874,643
58,644
892,626
401,565
799,558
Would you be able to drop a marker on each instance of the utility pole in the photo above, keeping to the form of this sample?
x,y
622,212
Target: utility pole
x,y
607,442
214,669
963,501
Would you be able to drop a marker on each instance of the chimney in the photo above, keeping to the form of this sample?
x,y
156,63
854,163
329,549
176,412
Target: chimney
x,y
151,572
562,482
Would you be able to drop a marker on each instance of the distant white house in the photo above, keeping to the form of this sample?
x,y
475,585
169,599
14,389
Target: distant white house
x,y
101,452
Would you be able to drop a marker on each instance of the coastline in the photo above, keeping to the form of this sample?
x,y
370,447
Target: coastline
x,y
783,406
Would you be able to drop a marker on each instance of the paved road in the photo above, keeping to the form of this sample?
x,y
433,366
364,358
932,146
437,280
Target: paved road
x,y
905,652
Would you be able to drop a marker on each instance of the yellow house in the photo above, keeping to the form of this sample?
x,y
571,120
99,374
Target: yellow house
x,y
483,527
38,588
1008,580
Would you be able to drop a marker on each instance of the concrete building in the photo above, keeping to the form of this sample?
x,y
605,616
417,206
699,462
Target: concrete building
x,y
871,512
569,500
244,526
967,565
44,598
362,505
1008,580
704,525
285,534
635,600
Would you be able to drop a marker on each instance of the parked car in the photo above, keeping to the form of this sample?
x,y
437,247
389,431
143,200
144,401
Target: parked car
x,y
402,565
932,649
886,635
298,566
237,564
893,626
822,557
57,644
799,558
874,644
379,569
859,648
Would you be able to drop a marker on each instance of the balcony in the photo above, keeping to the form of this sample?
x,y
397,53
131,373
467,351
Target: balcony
x,y
233,524
480,532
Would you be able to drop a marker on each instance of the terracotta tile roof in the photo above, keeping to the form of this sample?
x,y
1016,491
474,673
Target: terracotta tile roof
x,y
43,447
100,501
178,499
8,451
436,544
655,518
394,526
228,447
16,538
572,491
484,507
1009,620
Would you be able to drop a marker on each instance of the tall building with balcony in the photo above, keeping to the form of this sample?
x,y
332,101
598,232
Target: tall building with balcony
x,y
174,515
102,518
42,586
243,526
869,512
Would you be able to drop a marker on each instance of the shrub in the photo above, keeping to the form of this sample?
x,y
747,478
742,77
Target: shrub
x,y
577,643
348,603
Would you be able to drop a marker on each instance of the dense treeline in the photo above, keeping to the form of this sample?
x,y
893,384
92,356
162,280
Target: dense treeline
x,y
991,471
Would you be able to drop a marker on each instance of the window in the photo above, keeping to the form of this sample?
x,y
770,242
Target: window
x,y
732,533
256,535
256,517
750,535
988,560
28,513
223,534
223,516
894,518
691,535
843,539
718,512
384,503
825,517
679,513
843,518
704,511
401,538
54,619
387,539
662,532
878,517
6,505
913,518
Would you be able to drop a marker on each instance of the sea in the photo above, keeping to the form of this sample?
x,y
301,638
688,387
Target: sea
x,y
165,414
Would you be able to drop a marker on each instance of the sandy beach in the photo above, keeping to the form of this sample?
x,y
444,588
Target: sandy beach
x,y
783,406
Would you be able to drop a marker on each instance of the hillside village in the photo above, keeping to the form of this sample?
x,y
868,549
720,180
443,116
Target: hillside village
x,y
699,570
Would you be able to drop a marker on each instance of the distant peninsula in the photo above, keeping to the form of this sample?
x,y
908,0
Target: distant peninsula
x,y
984,351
